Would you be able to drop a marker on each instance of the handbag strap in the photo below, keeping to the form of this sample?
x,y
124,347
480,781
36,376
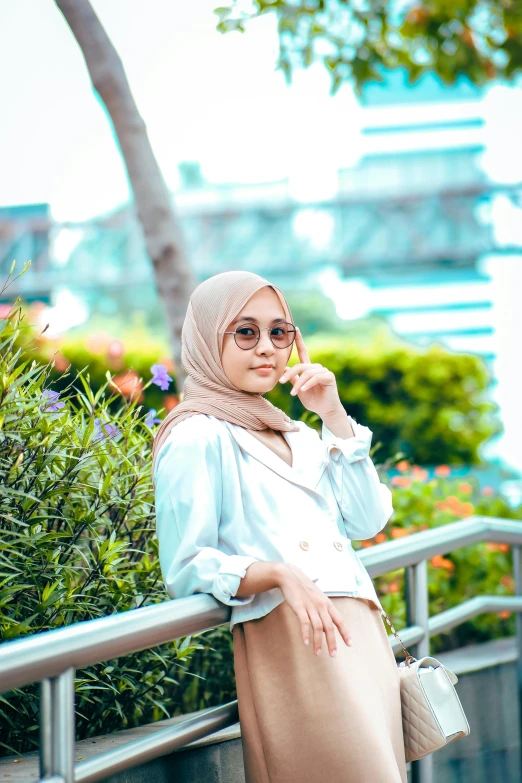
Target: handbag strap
x,y
407,657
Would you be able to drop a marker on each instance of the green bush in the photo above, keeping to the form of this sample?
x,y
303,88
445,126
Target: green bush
x,y
77,539
479,569
428,404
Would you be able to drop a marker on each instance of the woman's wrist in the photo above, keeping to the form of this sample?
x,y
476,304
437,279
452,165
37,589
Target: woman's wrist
x,y
260,576
338,423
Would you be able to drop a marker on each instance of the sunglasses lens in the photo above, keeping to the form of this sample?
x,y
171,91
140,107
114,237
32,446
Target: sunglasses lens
x,y
247,336
282,335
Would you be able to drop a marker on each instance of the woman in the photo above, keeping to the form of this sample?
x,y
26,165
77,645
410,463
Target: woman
x,y
260,511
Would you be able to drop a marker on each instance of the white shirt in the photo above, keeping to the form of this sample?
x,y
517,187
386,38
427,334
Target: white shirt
x,y
224,500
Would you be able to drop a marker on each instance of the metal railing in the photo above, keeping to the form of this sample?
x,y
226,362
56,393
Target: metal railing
x,y
52,657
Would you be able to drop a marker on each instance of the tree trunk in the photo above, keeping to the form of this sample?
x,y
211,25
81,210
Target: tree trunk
x,y
161,227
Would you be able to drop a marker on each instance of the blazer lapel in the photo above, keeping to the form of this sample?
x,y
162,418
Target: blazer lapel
x,y
308,458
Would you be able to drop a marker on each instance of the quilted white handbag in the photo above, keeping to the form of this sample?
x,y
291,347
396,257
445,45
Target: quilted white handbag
x,y
432,714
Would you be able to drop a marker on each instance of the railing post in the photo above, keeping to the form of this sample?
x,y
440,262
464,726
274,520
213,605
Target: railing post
x,y
417,613
517,575
46,728
62,721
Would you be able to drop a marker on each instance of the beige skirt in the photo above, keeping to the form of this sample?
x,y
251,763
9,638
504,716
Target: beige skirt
x,y
308,718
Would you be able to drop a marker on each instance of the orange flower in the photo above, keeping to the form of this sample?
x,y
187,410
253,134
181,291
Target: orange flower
x,y
366,543
465,488
442,470
399,532
419,474
393,587
504,614
170,401
467,509
129,385
503,548
493,547
508,581
401,481
380,537
438,561
454,503
441,505
403,465
487,491
115,354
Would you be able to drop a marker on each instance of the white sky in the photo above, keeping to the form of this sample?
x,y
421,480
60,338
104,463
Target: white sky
x,y
203,95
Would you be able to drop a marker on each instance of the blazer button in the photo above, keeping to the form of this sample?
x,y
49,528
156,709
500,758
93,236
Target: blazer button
x,y
338,545
304,545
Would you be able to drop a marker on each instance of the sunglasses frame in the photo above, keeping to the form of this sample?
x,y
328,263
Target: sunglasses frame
x,y
269,329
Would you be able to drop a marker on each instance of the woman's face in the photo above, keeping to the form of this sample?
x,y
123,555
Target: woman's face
x,y
263,309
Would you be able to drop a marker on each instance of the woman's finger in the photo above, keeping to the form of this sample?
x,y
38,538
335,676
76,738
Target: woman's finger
x,y
341,625
329,630
301,347
322,378
297,381
317,625
304,620
295,369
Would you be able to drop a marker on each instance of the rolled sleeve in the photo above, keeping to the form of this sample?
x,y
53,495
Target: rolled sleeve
x,y
364,501
351,449
188,509
230,573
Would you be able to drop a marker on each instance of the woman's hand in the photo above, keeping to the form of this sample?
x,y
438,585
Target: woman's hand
x,y
312,607
315,385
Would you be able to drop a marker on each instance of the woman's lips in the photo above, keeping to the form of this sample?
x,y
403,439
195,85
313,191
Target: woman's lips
x,y
264,370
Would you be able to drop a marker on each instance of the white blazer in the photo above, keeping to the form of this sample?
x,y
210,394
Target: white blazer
x,y
224,500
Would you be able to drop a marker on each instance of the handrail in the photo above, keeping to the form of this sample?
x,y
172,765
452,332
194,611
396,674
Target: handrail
x,y
49,653
410,550
52,656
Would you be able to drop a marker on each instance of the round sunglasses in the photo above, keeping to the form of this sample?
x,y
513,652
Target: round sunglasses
x,y
247,336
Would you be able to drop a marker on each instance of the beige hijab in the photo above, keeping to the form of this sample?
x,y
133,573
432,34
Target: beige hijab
x,y
212,306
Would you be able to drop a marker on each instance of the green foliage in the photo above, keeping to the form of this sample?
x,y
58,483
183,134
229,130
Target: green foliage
x,y
355,42
77,538
479,569
431,405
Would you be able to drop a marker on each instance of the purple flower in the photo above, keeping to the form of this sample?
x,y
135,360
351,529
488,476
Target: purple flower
x,y
149,418
52,401
160,376
108,431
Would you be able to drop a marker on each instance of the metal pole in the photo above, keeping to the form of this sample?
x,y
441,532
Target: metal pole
x,y
46,728
417,613
517,575
63,725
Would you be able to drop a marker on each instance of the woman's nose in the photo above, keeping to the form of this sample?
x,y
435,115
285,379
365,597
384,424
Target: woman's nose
x,y
265,344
